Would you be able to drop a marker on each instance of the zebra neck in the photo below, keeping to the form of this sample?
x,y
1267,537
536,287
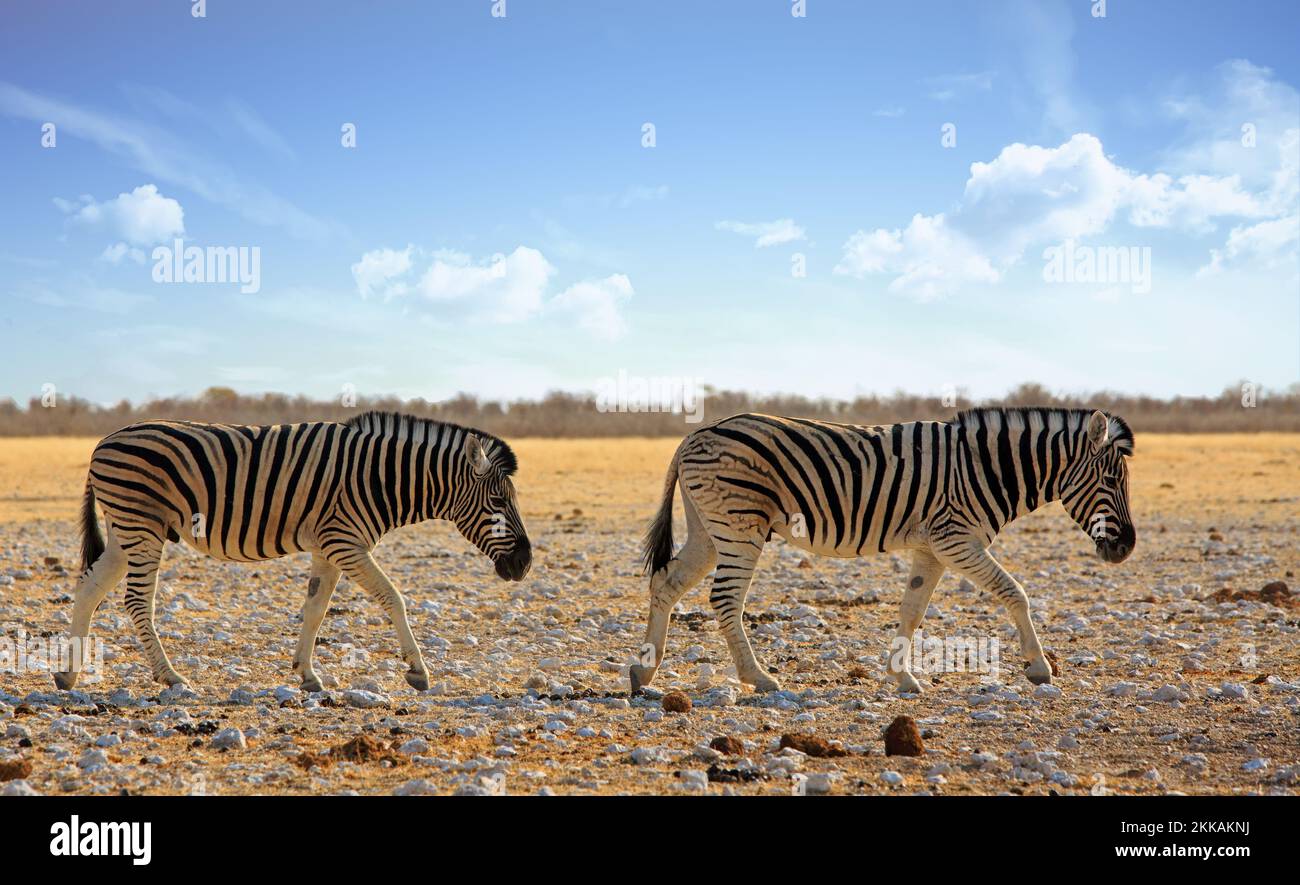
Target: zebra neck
x,y
1010,471
398,482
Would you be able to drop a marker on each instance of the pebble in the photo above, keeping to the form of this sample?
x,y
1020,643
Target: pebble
x,y
417,787
365,700
649,755
229,739
92,760
415,746
18,788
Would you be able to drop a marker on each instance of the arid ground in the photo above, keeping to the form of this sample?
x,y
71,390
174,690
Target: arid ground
x,y
1176,673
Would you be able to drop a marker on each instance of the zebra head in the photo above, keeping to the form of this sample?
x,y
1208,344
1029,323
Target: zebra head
x,y
487,512
1095,490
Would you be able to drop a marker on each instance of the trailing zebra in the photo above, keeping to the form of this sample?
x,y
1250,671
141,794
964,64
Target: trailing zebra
x,y
252,493
942,490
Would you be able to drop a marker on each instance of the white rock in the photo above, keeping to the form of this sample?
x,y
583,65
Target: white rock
x,y
228,739
1064,778
18,787
694,780
414,746
819,784
417,787
1167,694
649,755
92,760
892,778
1234,691
365,700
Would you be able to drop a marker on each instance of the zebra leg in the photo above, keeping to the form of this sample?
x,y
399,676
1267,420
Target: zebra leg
x,y
95,584
926,572
320,587
737,557
987,573
362,568
695,560
144,551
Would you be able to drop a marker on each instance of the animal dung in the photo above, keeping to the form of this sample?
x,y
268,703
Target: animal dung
x,y
903,738
812,745
676,702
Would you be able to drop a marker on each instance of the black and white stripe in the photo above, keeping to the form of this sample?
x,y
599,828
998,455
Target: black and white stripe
x,y
251,493
942,490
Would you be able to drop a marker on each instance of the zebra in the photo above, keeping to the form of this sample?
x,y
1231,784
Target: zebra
x,y
252,493
941,490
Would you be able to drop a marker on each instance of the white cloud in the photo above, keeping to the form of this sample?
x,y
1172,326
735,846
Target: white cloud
x,y
143,217
1031,195
1243,103
166,158
506,288
377,270
1266,245
596,305
498,289
891,112
767,233
926,258
115,253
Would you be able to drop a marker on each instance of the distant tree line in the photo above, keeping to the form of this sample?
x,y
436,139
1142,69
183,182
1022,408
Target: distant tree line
x,y
1238,408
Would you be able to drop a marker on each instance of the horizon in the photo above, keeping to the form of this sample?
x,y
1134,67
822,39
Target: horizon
x,y
960,397
1097,203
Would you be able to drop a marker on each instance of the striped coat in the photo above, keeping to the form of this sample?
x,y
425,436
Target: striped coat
x,y
251,493
941,490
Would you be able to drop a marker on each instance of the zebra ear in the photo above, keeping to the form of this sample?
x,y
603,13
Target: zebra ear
x,y
1098,429
475,455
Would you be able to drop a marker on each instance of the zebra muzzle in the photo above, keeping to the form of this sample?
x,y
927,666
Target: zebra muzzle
x,y
514,565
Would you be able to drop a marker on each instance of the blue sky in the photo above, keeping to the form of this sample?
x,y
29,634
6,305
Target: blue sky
x,y
501,228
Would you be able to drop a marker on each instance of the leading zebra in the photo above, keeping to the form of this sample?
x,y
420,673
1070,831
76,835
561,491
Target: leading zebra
x,y
942,490
251,493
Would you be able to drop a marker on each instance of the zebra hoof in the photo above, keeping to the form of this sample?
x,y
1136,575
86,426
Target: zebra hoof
x,y
907,684
639,676
418,681
1039,673
312,684
763,682
65,681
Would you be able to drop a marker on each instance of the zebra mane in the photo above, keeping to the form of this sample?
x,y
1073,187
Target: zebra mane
x,y
1120,435
401,426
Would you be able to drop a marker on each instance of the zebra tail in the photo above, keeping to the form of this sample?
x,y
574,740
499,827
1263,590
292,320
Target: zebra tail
x,y
657,548
92,540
